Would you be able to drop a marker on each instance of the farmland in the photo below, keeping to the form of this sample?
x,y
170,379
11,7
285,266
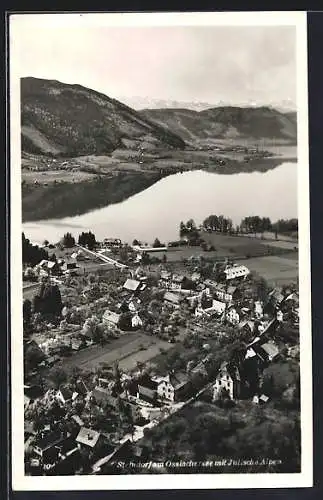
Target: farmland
x,y
277,270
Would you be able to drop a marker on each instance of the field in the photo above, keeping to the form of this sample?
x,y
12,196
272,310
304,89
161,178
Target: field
x,y
52,176
243,246
277,270
127,350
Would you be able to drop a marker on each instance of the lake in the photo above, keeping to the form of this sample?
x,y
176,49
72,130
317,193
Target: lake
x,y
158,210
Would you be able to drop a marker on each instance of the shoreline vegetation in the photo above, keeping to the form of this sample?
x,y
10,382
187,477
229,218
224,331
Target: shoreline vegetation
x,y
63,189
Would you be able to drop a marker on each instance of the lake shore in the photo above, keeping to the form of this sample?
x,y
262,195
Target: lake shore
x,y
76,193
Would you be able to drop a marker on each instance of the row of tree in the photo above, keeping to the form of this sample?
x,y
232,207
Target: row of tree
x,y
87,240
218,223
252,224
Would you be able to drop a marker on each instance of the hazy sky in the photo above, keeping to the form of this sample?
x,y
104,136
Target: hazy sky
x,y
195,63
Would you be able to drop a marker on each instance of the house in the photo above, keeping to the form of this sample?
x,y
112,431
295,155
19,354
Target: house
x,y
258,309
69,267
165,279
48,267
81,388
46,443
217,308
77,420
133,305
233,316
51,360
228,379
172,299
76,343
247,327
236,271
196,277
101,395
87,438
260,399
219,291
212,285
132,285
111,318
65,395
78,256
280,316
136,321
267,351
147,389
112,242
276,296
134,409
176,282
172,387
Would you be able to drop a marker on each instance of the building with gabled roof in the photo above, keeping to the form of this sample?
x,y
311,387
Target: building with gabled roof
x,y
132,285
227,380
172,299
87,438
66,395
111,318
236,272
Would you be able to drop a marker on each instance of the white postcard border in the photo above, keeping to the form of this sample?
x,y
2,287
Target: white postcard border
x,y
170,481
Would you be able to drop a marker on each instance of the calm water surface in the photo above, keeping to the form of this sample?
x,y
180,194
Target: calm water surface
x,y
157,211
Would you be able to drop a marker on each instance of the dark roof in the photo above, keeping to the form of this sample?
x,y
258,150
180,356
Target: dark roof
x,y
231,289
147,382
231,370
66,392
48,440
81,388
178,379
100,394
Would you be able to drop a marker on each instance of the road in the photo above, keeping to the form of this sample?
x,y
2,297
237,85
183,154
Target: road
x,y
106,259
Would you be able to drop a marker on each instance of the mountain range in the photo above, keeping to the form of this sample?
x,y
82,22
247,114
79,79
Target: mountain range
x,y
227,122
70,120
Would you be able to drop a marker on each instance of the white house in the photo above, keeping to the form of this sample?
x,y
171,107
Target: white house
x,y
65,395
259,310
236,272
232,316
216,308
136,321
228,379
171,387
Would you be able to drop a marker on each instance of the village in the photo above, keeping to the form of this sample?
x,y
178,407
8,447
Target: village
x,y
119,339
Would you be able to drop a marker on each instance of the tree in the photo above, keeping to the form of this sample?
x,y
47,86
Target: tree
x,y
57,376
49,300
91,328
157,243
32,357
27,312
68,241
135,242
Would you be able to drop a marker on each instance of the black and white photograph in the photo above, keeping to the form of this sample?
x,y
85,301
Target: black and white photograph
x,y
160,251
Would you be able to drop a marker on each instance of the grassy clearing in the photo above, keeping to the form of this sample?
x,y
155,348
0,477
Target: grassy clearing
x,y
277,270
